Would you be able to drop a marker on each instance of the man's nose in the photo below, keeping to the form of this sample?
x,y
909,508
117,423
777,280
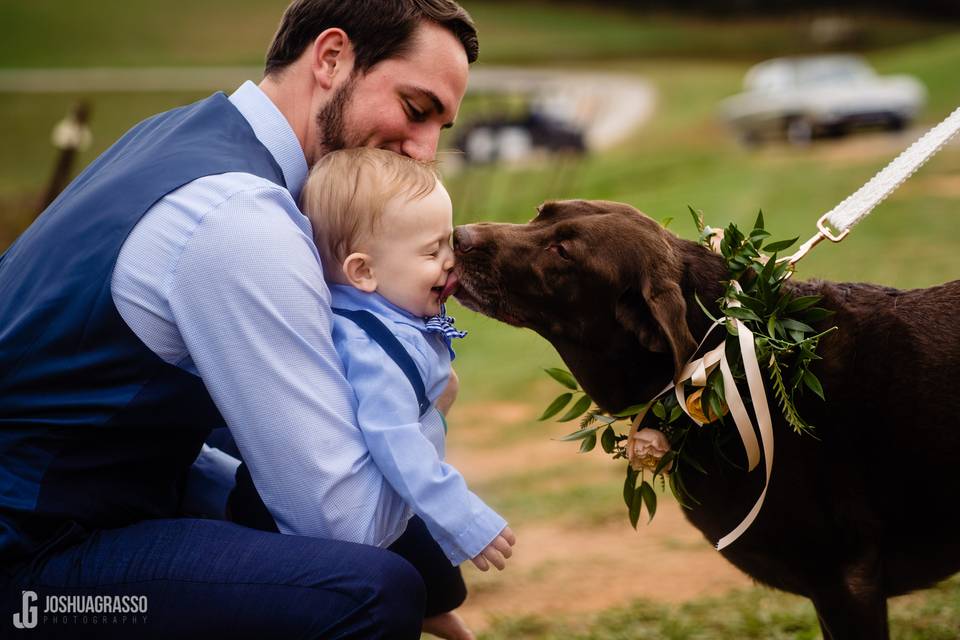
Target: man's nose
x,y
422,145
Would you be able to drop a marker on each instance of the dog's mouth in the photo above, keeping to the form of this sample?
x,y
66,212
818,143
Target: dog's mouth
x,y
448,288
471,293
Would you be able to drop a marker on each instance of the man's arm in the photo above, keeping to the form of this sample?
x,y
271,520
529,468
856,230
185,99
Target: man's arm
x,y
248,298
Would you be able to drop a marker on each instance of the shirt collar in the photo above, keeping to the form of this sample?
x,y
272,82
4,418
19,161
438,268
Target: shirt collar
x,y
274,132
352,298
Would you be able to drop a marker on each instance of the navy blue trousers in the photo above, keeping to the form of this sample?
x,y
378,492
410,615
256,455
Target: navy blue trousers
x,y
209,578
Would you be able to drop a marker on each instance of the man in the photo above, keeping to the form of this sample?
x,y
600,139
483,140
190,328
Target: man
x,y
173,287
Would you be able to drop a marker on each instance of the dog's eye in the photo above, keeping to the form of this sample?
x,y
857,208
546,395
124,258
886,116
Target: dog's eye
x,y
560,251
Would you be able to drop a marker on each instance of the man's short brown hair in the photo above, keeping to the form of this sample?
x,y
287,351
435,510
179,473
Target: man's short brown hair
x,y
378,29
348,190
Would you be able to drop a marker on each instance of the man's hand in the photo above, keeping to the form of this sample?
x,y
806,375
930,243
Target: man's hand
x,y
497,552
445,401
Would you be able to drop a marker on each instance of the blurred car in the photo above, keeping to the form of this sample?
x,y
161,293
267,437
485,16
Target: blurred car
x,y
513,139
806,97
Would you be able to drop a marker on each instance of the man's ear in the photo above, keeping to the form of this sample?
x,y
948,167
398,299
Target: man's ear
x,y
657,316
331,55
358,271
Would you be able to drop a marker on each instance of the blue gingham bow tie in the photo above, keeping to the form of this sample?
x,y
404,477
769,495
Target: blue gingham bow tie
x,y
443,324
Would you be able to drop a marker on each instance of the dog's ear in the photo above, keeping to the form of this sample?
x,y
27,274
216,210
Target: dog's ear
x,y
655,311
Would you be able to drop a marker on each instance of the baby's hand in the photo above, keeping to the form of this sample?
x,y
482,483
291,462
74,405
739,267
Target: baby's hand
x,y
497,552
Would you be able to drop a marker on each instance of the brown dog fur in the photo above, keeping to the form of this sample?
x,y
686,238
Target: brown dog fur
x,y
861,513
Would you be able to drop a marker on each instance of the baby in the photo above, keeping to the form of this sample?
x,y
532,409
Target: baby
x,y
382,225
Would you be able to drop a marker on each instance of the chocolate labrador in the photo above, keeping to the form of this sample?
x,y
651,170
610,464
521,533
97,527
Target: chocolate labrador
x,y
860,513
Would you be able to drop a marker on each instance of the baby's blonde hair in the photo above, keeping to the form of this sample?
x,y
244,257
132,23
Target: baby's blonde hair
x,y
348,190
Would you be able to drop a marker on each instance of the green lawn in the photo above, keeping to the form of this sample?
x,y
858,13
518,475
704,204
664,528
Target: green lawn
x,y
752,614
215,32
682,156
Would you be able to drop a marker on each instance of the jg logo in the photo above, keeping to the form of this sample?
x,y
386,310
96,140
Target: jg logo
x,y
27,618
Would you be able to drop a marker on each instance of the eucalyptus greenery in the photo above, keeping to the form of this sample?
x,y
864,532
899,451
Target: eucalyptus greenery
x,y
785,343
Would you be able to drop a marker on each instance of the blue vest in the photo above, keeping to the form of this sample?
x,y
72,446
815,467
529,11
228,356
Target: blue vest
x,y
96,431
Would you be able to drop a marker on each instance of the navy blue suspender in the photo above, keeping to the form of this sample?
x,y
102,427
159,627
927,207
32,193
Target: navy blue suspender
x,y
389,343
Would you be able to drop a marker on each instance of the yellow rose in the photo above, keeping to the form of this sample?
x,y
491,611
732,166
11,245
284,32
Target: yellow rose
x,y
695,408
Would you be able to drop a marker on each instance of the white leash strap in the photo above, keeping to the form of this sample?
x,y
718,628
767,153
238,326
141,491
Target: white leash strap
x,y
837,223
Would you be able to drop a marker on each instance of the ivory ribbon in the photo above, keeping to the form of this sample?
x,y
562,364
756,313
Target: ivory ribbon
x,y
696,372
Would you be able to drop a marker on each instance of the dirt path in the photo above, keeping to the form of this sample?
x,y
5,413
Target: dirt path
x,y
560,569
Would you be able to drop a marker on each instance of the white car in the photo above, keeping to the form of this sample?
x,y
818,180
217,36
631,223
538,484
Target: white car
x,y
805,97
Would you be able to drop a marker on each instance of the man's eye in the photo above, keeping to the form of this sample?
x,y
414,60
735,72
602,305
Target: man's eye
x,y
415,113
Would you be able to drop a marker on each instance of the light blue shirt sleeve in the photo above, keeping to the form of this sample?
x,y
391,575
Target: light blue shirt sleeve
x,y
388,416
248,298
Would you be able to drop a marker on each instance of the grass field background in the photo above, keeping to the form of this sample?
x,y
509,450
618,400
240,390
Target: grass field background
x,y
682,156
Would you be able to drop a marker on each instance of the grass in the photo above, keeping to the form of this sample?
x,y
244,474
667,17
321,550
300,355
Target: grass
x,y
212,32
758,613
683,156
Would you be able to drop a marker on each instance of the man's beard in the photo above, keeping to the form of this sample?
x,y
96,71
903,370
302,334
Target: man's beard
x,y
330,120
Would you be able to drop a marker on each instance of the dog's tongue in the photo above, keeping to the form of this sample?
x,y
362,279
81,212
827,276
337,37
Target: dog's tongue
x,y
449,287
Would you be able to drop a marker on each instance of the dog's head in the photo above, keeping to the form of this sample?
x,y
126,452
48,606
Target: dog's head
x,y
600,280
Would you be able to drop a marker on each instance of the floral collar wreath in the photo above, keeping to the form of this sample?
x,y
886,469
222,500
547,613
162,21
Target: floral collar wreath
x,y
652,436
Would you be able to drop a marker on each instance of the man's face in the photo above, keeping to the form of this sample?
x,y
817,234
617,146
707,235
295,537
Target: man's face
x,y
400,104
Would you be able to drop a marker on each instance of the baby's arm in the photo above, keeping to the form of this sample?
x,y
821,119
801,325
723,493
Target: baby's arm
x,y
389,420
449,395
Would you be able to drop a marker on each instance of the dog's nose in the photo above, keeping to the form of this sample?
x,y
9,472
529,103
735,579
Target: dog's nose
x,y
463,239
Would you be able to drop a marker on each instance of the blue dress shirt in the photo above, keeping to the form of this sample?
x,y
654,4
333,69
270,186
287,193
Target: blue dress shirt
x,y
407,451
221,278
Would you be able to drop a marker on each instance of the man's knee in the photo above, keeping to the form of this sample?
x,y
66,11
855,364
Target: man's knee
x,y
398,600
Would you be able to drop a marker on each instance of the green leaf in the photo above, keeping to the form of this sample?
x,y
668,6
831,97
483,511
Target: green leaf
x,y
801,303
631,411
816,314
577,409
664,462
675,413
697,218
774,247
588,443
703,308
683,488
666,222
608,441
563,377
741,313
715,405
759,223
796,325
558,403
636,504
628,485
649,499
580,434
674,481
659,411
813,383
696,465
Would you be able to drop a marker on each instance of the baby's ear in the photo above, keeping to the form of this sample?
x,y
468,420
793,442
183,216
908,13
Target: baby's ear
x,y
358,271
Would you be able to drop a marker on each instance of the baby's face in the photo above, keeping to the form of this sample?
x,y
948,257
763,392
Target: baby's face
x,y
412,254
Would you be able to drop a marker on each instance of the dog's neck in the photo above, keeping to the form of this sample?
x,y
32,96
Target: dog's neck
x,y
704,275
623,373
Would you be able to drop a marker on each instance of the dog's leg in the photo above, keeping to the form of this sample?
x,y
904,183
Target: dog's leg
x,y
854,606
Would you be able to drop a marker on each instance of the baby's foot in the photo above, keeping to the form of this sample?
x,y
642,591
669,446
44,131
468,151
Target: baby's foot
x,y
448,626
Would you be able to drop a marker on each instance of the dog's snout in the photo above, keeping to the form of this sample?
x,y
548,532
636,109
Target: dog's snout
x,y
463,239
